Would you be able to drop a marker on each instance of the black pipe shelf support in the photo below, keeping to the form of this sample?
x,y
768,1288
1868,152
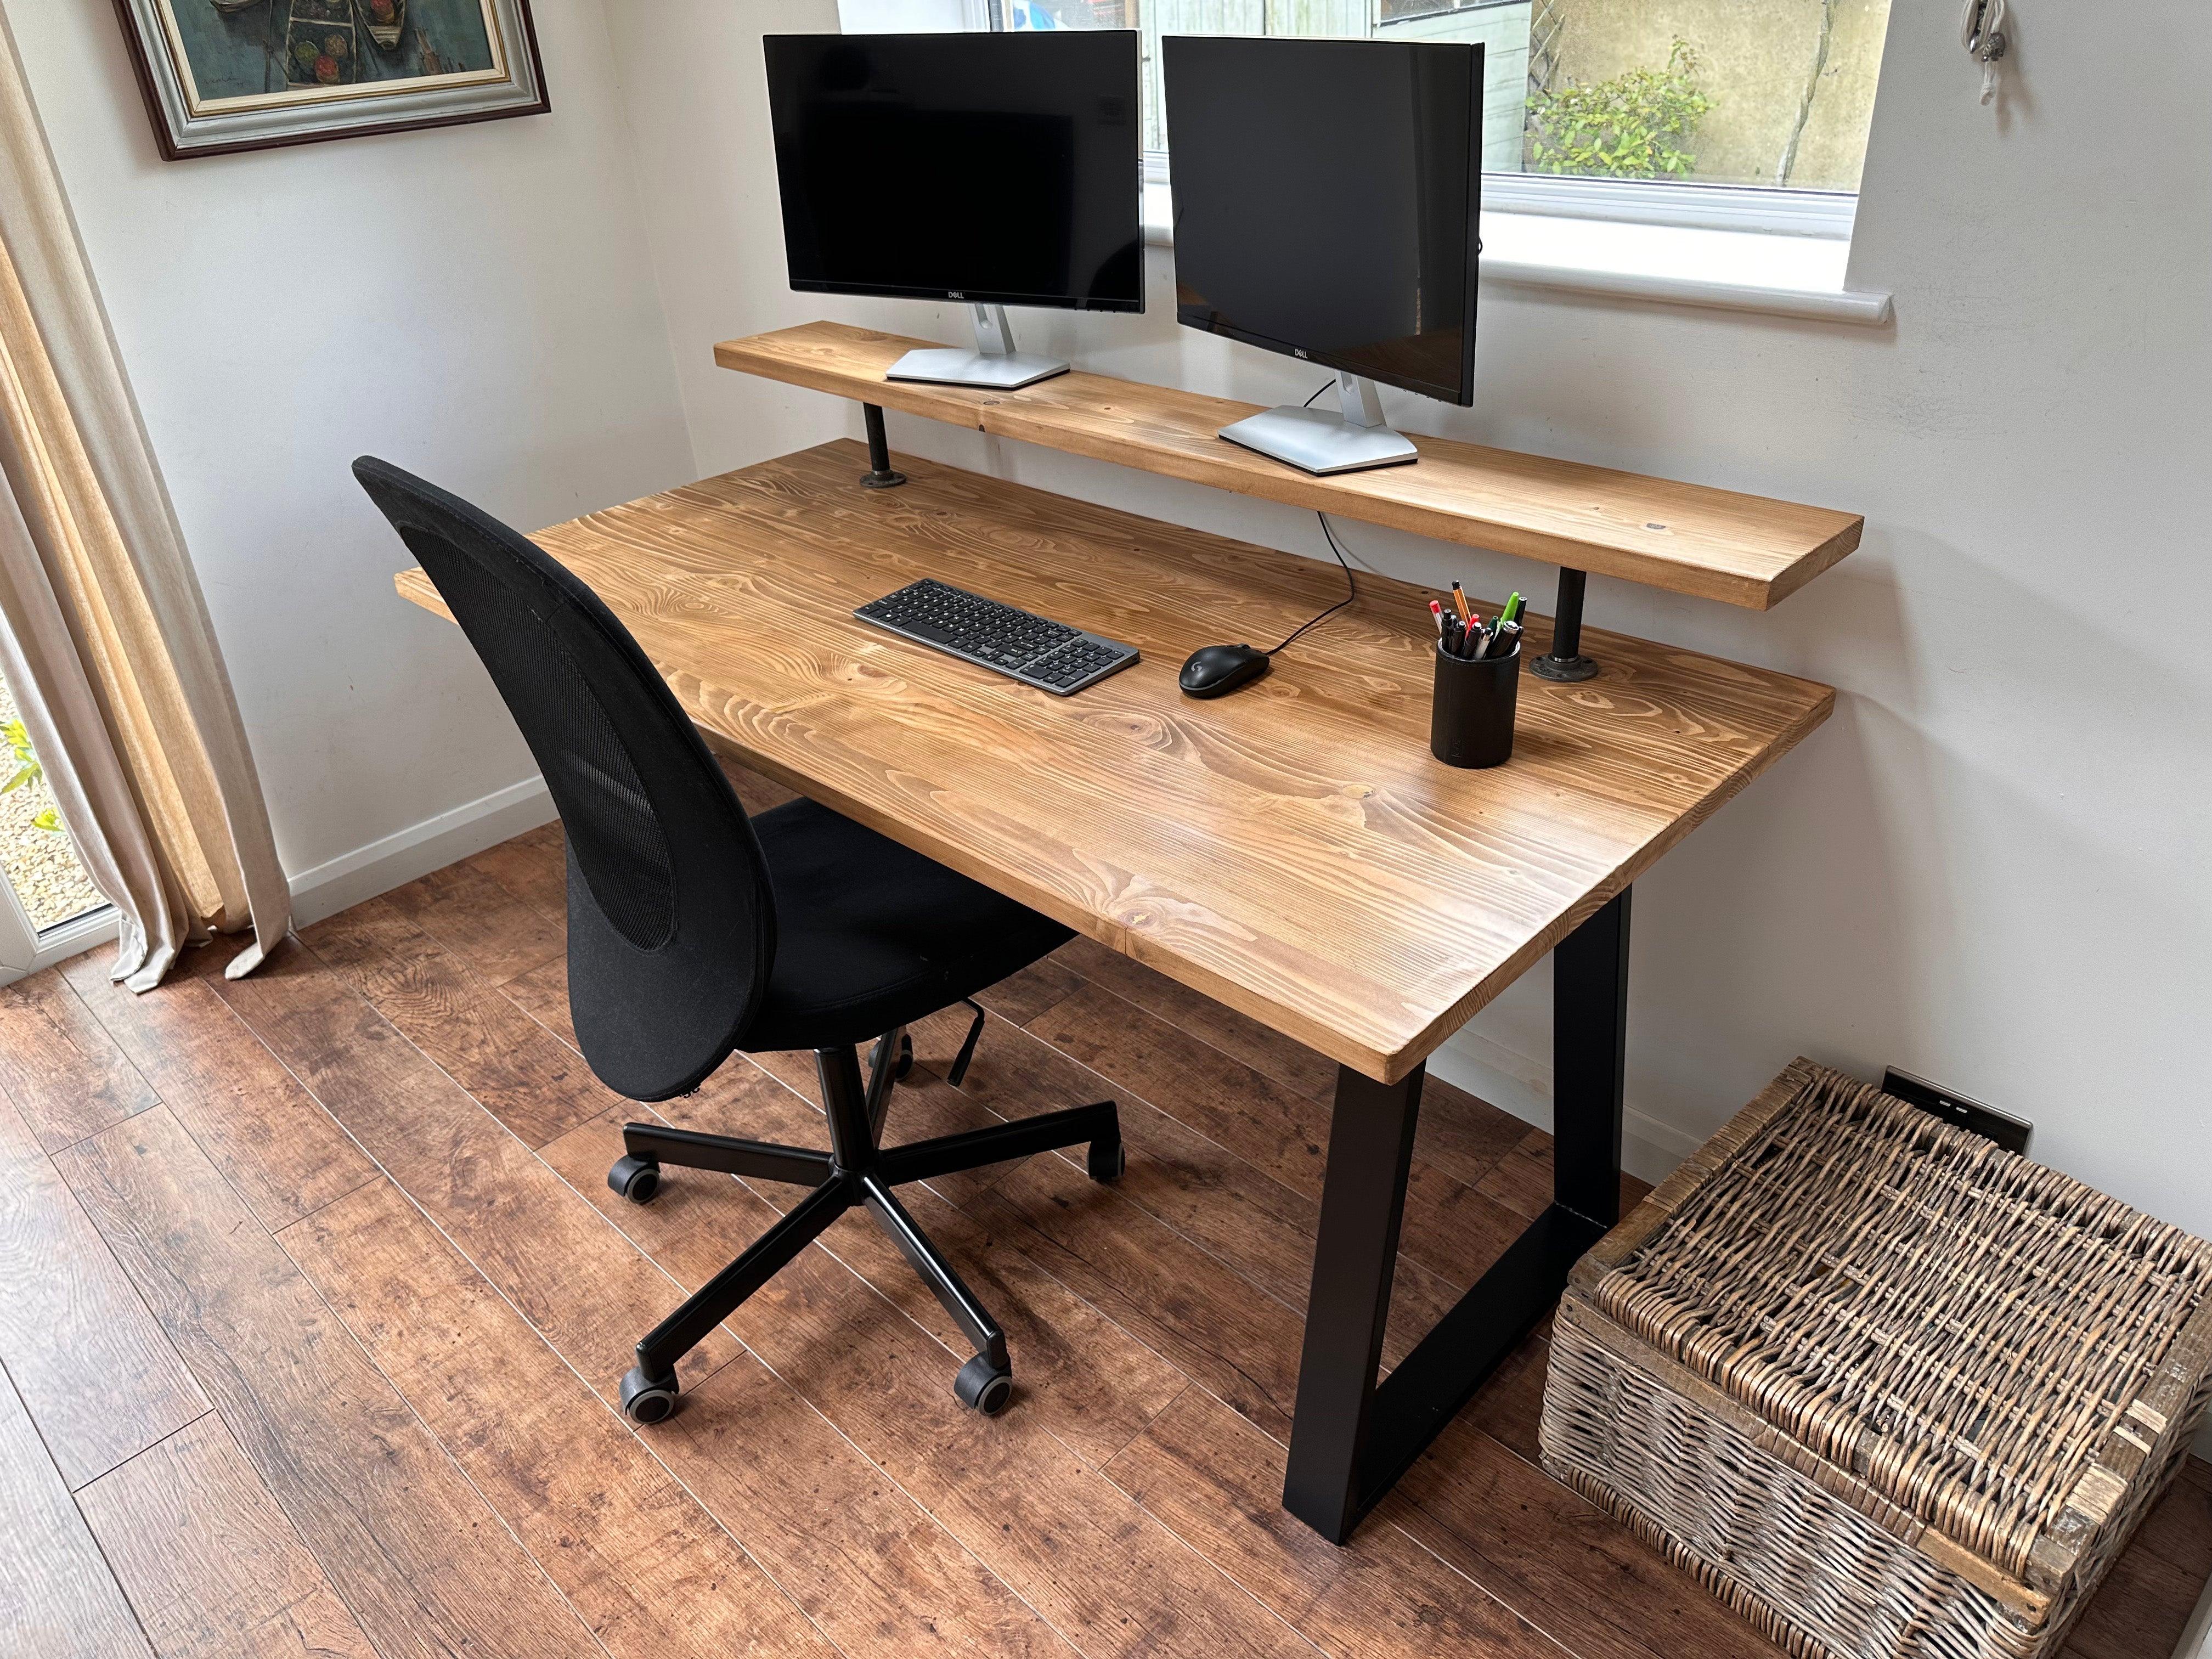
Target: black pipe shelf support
x,y
1565,660
879,475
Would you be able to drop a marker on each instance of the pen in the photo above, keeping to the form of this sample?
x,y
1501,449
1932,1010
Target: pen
x,y
1511,613
1437,612
1508,635
1459,604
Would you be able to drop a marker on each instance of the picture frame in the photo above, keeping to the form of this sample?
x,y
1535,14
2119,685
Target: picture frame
x,y
224,76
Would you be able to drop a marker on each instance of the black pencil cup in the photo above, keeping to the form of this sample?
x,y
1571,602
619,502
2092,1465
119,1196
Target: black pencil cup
x,y
1471,715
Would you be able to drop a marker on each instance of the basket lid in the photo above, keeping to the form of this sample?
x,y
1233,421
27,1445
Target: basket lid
x,y
1992,1346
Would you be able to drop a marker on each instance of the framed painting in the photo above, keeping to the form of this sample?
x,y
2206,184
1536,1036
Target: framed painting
x,y
232,74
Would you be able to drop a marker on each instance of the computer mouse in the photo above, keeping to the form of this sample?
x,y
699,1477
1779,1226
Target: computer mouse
x,y
1215,669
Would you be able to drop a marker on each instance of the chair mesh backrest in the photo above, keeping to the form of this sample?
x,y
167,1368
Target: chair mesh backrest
x,y
671,919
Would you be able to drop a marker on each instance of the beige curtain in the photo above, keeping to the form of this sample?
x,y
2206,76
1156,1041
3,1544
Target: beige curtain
x,y
107,646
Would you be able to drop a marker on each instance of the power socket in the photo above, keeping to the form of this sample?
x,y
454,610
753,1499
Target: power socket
x,y
2009,1132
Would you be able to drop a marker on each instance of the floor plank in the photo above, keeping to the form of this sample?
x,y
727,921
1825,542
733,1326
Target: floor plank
x,y
57,1599
519,1072
1164,1290
211,1563
573,1277
653,1574
424,1566
1278,1131
499,934
876,1572
533,866
1104,1572
59,1066
246,1112
1218,1482
94,1370
1237,1036
1574,1573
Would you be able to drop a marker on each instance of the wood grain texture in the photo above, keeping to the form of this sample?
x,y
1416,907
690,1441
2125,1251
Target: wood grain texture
x,y
97,1376
1580,1577
213,1566
501,934
1293,851
57,1599
572,1276
1106,1574
525,1075
424,1566
251,1118
1746,549
63,1071
1218,1481
650,1570
533,866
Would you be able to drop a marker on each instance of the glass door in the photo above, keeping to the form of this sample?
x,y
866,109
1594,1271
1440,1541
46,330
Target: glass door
x,y
49,908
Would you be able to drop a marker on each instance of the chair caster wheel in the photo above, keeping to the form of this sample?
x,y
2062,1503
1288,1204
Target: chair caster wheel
x,y
637,1179
1106,1162
647,1400
984,1386
905,1061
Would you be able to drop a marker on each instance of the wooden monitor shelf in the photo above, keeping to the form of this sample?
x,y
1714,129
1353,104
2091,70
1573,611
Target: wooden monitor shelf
x,y
1714,543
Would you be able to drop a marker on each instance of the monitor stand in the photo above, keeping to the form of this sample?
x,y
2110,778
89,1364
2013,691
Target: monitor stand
x,y
1318,441
995,362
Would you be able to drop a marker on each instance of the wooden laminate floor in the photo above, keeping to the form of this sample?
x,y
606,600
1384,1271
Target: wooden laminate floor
x,y
313,1299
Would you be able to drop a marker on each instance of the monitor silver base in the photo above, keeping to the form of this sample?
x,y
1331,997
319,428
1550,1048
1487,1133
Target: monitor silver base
x,y
1319,440
949,366
993,362
1315,441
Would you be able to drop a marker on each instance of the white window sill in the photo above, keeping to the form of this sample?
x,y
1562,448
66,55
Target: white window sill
x,y
1731,270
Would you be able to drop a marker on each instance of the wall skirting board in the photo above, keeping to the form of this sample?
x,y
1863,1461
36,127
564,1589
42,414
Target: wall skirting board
x,y
402,856
1513,1082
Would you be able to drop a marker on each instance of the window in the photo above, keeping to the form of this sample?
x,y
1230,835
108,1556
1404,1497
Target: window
x,y
1743,114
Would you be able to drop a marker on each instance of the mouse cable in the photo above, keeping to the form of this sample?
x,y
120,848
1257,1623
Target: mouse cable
x,y
1350,584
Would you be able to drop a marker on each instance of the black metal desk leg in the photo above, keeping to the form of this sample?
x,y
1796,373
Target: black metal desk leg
x,y
1370,1150
1589,1061
1352,1438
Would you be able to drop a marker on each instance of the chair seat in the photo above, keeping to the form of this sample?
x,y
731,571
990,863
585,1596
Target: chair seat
x,y
871,935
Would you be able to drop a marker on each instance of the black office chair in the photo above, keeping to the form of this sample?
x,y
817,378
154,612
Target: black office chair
x,y
694,930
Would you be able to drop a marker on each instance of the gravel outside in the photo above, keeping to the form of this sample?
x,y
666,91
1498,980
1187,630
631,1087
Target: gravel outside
x,y
40,864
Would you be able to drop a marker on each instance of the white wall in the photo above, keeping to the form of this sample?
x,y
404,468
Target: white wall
x,y
476,303
1991,865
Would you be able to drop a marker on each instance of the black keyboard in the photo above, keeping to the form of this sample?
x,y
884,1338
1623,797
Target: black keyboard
x,y
1035,650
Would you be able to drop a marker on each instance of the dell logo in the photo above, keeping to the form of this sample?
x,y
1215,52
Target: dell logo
x,y
955,293
1298,352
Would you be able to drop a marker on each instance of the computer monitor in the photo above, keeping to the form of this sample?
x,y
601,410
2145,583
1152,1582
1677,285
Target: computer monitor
x,y
996,169
1327,196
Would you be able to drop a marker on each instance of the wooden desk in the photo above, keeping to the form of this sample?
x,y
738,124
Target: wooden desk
x,y
1292,849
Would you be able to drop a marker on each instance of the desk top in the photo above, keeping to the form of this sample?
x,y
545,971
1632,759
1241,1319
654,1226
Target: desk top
x,y
1292,849
1715,543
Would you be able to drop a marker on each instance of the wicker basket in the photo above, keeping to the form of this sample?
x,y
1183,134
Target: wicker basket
x,y
1884,1387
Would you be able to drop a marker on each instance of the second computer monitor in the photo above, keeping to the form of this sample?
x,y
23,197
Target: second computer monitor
x,y
1326,195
